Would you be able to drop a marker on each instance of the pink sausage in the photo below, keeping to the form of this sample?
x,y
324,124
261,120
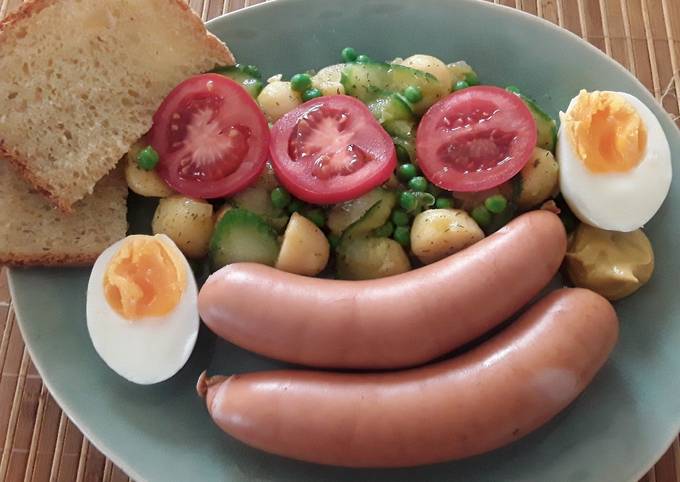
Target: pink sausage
x,y
484,399
393,322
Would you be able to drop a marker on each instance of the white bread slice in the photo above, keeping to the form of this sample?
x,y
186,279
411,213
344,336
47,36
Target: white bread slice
x,y
81,79
33,232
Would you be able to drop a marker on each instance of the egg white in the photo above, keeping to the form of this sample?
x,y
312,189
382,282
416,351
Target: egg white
x,y
618,201
148,350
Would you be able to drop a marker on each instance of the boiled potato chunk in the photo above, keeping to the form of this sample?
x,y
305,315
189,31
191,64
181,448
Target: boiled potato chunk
x,y
330,73
187,221
539,179
610,263
437,233
330,88
278,98
431,65
144,183
327,80
371,258
305,249
459,71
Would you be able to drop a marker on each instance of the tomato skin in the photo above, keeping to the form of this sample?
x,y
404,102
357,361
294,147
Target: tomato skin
x,y
362,160
475,139
230,137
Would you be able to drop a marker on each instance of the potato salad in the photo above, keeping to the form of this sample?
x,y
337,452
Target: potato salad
x,y
365,168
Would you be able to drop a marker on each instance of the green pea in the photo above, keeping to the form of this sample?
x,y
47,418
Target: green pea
x,y
496,203
443,203
253,71
363,59
408,201
418,184
300,82
349,54
334,240
406,172
295,205
147,158
460,85
280,197
471,78
481,215
400,218
413,94
316,216
310,94
402,154
384,231
402,235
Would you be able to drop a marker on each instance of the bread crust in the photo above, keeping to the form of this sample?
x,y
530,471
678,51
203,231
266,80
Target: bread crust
x,y
25,11
16,260
43,188
219,48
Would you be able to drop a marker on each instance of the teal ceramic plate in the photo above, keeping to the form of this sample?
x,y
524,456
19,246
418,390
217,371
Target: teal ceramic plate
x,y
614,432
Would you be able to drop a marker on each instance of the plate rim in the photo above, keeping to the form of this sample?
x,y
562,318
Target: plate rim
x,y
112,454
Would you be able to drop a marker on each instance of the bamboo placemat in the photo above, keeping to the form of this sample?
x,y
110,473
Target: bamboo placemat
x,y
41,444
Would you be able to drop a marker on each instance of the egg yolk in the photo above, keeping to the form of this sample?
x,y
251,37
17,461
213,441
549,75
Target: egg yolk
x,y
606,132
145,278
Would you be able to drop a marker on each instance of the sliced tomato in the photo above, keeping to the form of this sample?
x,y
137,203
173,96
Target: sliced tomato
x,y
331,149
475,139
211,137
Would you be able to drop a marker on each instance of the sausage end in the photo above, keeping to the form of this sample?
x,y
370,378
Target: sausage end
x,y
206,387
202,385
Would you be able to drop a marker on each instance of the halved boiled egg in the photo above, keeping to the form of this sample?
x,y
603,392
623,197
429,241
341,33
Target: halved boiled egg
x,y
615,160
142,312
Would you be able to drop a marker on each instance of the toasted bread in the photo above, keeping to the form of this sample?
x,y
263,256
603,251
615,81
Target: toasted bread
x,y
81,80
33,232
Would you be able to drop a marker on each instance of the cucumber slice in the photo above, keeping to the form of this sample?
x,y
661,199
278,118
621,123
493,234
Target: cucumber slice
x,y
545,125
365,81
391,108
374,218
348,213
279,223
242,236
368,81
396,117
402,77
404,129
362,256
238,73
257,200
403,135
409,146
